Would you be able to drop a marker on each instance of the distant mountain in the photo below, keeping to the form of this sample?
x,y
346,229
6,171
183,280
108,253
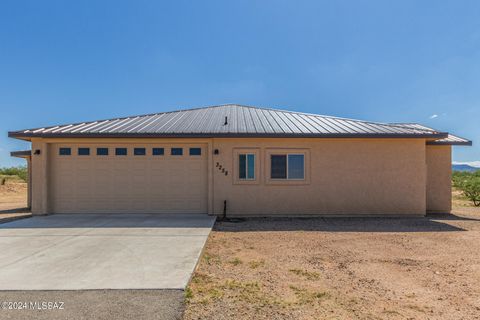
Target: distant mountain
x,y
464,167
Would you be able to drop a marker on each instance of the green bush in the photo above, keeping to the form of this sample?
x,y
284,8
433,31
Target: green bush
x,y
469,183
20,171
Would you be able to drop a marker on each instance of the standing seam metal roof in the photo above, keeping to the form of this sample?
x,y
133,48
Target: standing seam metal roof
x,y
449,140
242,121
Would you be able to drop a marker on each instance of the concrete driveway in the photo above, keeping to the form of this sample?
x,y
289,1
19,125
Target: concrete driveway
x,y
101,251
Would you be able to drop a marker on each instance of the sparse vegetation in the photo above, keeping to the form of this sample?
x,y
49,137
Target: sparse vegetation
x,y
235,261
254,264
469,184
20,172
309,275
305,296
188,294
211,258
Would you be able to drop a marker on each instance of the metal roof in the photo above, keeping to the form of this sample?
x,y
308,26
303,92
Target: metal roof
x,y
449,140
231,120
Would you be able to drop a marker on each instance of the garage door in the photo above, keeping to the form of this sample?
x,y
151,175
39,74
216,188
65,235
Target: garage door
x,y
128,178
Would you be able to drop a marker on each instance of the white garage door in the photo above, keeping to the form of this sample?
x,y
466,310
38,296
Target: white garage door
x,y
150,178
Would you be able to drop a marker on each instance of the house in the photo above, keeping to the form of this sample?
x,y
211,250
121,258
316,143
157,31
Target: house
x,y
239,161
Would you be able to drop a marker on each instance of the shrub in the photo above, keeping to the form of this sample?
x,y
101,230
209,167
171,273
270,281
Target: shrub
x,y
469,183
471,189
20,171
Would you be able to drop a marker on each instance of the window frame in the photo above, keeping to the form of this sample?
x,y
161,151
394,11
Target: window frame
x,y
102,155
287,166
236,166
194,148
286,152
176,155
118,149
137,149
83,148
69,153
158,154
246,166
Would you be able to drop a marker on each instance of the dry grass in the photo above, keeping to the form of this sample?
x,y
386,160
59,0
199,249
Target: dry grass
x,y
424,268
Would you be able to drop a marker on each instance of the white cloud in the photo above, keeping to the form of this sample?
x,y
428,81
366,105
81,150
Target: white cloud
x,y
475,164
433,116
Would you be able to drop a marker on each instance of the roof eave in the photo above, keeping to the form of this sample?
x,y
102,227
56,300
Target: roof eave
x,y
21,154
450,143
26,136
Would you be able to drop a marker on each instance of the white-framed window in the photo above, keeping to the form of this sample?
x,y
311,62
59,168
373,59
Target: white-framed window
x,y
287,166
246,166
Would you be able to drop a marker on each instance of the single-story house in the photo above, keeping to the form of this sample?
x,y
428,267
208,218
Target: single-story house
x,y
239,161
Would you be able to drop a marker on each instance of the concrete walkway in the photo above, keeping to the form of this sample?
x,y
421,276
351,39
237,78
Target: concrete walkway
x,y
95,251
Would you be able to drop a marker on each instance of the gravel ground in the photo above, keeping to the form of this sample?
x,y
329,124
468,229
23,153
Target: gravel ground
x,y
98,304
335,268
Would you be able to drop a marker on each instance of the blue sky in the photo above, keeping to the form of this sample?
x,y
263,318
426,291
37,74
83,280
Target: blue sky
x,y
388,61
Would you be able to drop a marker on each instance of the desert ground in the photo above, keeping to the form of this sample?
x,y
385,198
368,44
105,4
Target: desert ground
x,y
332,268
13,200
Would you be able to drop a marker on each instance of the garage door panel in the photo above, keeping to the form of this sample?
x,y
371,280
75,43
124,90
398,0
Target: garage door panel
x,y
144,184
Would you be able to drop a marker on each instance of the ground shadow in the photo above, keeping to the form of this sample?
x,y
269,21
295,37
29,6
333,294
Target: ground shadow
x,y
16,210
122,220
370,224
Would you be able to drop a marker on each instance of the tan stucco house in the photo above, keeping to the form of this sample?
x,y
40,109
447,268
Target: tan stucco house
x,y
241,161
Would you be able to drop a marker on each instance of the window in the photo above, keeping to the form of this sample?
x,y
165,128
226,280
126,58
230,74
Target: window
x,y
291,166
158,151
176,151
102,151
65,151
296,166
195,151
279,167
139,151
83,151
120,151
246,166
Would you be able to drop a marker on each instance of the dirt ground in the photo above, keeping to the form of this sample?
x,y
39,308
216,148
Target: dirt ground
x,y
13,200
13,194
333,268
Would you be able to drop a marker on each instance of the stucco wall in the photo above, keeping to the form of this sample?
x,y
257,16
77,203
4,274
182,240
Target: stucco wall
x,y
39,183
439,177
344,176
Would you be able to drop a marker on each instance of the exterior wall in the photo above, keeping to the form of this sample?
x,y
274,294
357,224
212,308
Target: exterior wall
x,y
29,183
439,177
39,183
343,177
